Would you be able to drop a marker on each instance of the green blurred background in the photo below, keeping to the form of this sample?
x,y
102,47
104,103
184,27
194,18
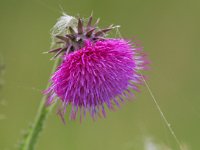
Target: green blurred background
x,y
170,33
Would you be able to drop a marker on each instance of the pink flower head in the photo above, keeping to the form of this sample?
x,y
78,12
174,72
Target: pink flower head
x,y
100,73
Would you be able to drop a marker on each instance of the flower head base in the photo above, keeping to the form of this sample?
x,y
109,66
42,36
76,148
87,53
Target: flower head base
x,y
77,37
98,73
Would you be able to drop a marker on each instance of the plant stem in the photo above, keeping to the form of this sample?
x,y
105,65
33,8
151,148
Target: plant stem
x,y
30,139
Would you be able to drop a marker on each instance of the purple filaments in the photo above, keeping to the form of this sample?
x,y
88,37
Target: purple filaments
x,y
100,74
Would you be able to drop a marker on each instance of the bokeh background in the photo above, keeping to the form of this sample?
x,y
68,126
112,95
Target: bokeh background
x,y
170,33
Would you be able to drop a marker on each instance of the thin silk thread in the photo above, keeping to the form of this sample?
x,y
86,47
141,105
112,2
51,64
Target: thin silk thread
x,y
162,114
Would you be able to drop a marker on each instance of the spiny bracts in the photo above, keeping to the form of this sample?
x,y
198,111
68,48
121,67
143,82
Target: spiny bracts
x,y
76,38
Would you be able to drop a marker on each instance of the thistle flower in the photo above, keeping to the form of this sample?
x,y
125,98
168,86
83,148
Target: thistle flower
x,y
95,71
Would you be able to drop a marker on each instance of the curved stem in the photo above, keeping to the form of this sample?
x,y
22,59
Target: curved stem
x,y
32,134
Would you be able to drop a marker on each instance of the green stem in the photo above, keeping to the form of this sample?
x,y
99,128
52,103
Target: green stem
x,y
30,139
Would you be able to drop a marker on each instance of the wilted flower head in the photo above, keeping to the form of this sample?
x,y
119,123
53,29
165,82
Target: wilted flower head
x,y
95,71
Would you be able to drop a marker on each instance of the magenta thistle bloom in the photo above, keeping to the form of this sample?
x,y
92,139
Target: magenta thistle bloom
x,y
95,73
